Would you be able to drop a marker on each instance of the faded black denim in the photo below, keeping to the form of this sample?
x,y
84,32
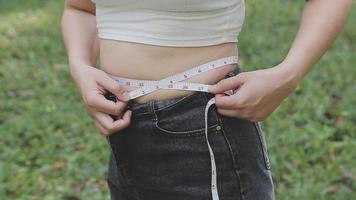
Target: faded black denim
x,y
163,154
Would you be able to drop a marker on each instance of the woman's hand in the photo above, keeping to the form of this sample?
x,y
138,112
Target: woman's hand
x,y
261,91
258,92
93,84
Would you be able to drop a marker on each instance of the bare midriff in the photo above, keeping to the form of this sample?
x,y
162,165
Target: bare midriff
x,y
152,62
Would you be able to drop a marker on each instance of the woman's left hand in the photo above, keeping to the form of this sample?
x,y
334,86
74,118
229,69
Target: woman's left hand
x,y
258,93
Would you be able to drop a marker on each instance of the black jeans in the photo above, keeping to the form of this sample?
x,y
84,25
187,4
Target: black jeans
x,y
163,154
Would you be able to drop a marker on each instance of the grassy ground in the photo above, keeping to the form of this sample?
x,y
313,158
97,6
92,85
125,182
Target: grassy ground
x,y
51,150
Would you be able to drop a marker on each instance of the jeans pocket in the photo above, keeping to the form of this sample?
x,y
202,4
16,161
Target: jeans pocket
x,y
263,143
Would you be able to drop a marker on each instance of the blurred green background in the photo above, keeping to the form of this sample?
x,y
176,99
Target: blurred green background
x,y
51,150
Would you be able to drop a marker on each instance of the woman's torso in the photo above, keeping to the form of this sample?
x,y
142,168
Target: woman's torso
x,y
150,62
153,39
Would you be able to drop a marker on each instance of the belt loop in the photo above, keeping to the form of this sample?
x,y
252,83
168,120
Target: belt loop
x,y
151,110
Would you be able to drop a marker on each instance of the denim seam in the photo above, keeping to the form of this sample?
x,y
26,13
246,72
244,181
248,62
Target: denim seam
x,y
195,132
139,114
263,145
154,116
234,161
231,151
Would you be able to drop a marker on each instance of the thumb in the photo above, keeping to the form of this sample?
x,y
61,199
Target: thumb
x,y
226,84
111,85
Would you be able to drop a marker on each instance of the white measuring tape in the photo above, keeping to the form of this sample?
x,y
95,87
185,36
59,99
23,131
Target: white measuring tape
x,y
174,83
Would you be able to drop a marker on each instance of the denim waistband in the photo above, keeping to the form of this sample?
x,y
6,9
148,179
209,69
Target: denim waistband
x,y
154,105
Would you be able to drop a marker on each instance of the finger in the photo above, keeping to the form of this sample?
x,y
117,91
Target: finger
x,y
225,102
220,95
100,103
122,106
240,113
110,107
227,112
100,128
227,84
231,113
111,85
104,120
110,125
123,122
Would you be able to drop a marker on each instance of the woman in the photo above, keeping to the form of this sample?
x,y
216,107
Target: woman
x,y
159,140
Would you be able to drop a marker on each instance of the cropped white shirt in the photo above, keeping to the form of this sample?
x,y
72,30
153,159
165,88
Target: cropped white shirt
x,y
180,23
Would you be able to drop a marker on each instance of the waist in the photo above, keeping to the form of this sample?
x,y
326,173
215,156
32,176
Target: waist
x,y
150,62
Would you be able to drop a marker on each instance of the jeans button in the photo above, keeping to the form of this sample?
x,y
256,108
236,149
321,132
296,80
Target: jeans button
x,y
218,128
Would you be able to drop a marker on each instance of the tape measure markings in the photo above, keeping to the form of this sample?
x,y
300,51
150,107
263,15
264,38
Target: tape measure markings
x,y
148,86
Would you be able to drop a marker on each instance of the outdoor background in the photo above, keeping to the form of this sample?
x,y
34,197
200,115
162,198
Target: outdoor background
x,y
49,149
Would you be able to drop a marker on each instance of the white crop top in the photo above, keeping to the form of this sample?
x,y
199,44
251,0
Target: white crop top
x,y
180,23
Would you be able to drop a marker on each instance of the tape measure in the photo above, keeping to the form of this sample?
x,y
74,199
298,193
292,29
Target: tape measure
x,y
175,83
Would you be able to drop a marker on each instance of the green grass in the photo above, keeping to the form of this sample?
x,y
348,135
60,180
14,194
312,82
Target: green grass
x,y
51,150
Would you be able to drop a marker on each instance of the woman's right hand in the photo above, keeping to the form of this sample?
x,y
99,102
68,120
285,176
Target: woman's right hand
x,y
93,84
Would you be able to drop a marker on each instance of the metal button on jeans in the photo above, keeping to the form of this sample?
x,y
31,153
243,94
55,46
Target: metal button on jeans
x,y
218,128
